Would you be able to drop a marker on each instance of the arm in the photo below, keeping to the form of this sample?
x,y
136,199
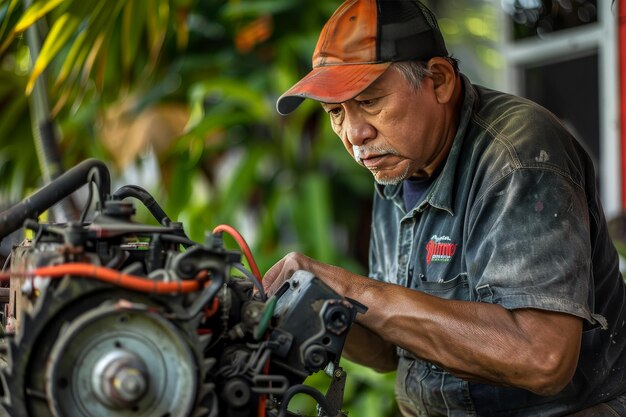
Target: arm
x,y
367,348
527,348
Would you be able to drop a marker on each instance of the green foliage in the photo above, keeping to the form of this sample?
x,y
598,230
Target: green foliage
x,y
367,393
17,153
116,69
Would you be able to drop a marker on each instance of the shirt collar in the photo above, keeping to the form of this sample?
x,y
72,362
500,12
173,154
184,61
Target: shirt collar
x,y
440,194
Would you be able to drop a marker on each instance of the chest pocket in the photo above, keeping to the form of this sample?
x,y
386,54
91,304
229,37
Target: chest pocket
x,y
456,288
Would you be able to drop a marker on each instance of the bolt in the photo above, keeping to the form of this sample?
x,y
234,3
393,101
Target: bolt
x,y
120,379
315,356
130,384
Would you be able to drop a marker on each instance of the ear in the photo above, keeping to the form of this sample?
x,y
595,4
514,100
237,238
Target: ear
x,y
444,78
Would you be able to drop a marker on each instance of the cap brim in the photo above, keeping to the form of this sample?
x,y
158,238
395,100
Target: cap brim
x,y
331,84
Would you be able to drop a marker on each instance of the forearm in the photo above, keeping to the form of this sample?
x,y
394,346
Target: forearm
x,y
476,341
528,348
367,348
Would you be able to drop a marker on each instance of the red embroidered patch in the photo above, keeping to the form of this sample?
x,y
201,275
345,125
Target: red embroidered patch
x,y
440,249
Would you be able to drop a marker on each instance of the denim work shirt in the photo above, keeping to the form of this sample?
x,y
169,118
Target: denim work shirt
x,y
513,219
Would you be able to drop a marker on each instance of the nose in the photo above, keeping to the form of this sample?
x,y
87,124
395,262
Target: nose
x,y
359,131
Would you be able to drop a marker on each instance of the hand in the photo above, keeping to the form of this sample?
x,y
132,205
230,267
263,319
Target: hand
x,y
285,268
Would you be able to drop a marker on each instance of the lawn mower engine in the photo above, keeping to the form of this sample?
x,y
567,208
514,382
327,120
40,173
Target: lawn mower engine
x,y
108,317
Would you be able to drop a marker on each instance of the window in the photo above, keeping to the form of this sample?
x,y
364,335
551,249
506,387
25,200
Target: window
x,y
540,17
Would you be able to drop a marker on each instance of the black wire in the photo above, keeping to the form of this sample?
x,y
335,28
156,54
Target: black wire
x,y
310,391
49,195
90,180
38,234
146,199
252,278
116,261
185,241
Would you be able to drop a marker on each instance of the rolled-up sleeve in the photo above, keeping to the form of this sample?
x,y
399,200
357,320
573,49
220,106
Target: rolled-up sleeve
x,y
528,243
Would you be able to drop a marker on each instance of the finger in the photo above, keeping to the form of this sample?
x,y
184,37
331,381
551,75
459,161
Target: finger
x,y
272,274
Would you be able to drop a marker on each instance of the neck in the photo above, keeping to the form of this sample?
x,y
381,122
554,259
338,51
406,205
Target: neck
x,y
451,118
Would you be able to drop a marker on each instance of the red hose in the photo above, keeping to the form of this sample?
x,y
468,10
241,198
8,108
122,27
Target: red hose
x,y
243,245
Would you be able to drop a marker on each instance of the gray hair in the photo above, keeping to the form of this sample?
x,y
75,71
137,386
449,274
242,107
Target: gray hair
x,y
415,71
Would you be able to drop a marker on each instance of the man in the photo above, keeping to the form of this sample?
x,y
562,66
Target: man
x,y
494,288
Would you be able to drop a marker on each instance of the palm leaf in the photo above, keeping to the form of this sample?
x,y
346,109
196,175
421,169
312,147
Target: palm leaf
x,y
34,13
59,35
5,15
132,28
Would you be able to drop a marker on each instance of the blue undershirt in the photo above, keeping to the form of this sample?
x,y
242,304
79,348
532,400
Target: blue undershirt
x,y
413,189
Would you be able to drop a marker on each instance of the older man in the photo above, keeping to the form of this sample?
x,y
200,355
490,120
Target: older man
x,y
493,288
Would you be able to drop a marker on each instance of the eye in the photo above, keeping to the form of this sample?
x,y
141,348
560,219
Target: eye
x,y
335,112
367,102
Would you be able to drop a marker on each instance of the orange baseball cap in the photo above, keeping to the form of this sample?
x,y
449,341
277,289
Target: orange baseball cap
x,y
358,43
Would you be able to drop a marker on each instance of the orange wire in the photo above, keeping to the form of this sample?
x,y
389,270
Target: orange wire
x,y
115,277
262,404
243,245
210,311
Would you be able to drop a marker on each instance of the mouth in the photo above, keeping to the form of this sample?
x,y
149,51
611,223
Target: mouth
x,y
372,161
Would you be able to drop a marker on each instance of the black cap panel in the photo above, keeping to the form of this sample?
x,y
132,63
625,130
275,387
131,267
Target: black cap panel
x,y
407,31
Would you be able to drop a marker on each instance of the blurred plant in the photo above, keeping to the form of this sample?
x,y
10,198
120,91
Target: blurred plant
x,y
180,94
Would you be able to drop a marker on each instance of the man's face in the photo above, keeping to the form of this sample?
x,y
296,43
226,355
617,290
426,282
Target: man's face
x,y
393,129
